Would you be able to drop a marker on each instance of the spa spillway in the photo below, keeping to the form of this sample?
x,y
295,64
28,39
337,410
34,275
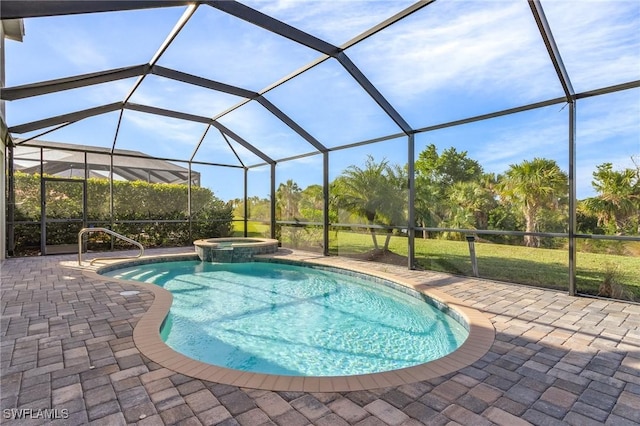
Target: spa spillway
x,y
233,249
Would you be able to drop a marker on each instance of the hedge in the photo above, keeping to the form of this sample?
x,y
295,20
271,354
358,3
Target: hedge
x,y
139,208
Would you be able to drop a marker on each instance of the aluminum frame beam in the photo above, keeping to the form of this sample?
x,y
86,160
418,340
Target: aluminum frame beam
x,y
278,27
295,73
16,9
242,142
167,113
184,18
226,139
292,124
610,89
238,91
133,155
273,25
199,119
490,115
65,118
111,75
83,80
272,210
573,201
74,82
552,48
388,22
570,95
326,223
245,199
238,10
411,202
39,135
202,82
373,92
195,150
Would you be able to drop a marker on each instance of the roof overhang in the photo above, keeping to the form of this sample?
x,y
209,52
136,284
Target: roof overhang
x,y
13,29
11,9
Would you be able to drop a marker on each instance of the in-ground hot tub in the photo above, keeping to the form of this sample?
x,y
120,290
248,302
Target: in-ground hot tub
x,y
233,249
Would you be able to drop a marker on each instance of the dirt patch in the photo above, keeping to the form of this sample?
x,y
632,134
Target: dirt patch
x,y
380,256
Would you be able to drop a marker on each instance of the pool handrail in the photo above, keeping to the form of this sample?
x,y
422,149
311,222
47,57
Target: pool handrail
x,y
110,232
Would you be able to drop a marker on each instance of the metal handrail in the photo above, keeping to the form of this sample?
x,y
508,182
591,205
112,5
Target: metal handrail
x,y
110,232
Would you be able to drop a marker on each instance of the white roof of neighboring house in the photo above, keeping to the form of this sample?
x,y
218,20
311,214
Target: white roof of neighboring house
x,y
67,160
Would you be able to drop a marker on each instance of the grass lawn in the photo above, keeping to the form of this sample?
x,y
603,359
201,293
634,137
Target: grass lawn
x,y
254,229
525,265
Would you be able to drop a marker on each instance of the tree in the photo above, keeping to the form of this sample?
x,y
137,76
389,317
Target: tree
x,y
428,204
258,208
447,168
617,205
287,197
533,186
395,208
435,176
473,200
311,203
374,192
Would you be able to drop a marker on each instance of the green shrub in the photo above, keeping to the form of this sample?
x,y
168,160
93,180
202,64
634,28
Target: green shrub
x,y
139,209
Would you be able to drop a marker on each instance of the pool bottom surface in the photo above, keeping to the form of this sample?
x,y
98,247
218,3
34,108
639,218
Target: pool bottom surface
x,y
288,320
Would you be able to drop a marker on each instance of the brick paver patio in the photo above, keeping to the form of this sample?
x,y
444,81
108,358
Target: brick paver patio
x,y
67,350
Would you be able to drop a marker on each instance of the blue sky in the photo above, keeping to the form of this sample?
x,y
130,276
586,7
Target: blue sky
x,y
449,61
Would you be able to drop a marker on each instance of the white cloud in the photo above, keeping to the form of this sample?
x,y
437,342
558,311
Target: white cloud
x,y
607,127
599,41
167,130
79,49
470,46
268,134
609,117
219,47
114,91
333,21
525,141
177,96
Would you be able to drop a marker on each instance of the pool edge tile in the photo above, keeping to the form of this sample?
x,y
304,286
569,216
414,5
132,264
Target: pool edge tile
x,y
146,336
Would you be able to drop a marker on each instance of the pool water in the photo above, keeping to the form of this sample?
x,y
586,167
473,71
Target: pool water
x,y
286,319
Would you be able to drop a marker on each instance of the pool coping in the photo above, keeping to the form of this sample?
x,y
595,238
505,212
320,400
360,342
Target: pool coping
x,y
237,242
146,337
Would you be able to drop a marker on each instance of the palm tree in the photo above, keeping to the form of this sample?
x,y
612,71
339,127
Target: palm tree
x,y
618,201
474,199
397,195
428,205
533,186
372,192
287,196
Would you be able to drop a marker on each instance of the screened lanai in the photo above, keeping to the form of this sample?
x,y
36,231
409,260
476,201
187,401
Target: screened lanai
x,y
406,132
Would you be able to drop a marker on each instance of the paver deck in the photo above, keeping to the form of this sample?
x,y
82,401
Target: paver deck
x,y
67,350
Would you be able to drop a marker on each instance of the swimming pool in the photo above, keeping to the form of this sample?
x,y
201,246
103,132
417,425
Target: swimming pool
x,y
285,319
